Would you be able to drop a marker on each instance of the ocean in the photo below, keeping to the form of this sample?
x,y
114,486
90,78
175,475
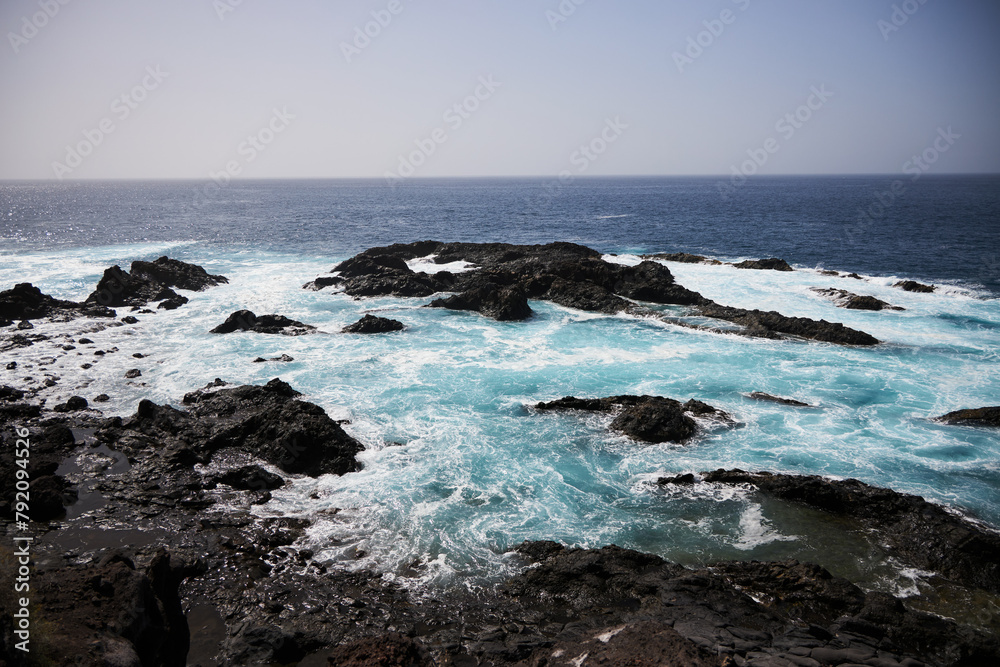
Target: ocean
x,y
457,467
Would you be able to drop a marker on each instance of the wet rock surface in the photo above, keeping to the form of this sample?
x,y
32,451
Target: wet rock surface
x,y
151,281
682,257
195,549
973,417
26,302
371,324
917,532
503,278
761,396
914,286
851,301
647,418
245,320
769,264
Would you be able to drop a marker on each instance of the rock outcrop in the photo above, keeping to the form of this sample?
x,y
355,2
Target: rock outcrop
x,y
761,396
26,302
769,264
370,324
851,301
973,417
914,286
503,278
648,418
151,281
919,533
269,422
245,320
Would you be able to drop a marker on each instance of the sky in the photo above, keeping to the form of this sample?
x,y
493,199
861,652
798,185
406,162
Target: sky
x,y
427,88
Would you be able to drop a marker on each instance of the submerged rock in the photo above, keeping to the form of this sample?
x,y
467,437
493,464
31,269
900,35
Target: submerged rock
x,y
851,301
26,302
370,324
682,257
648,418
920,533
761,396
245,320
771,322
974,417
769,264
914,286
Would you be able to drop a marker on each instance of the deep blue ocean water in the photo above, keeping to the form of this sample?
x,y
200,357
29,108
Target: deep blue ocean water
x,y
457,468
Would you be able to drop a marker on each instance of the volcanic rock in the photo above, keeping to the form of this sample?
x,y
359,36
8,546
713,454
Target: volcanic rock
x,y
973,417
26,302
913,286
917,532
370,324
851,301
761,396
245,320
771,264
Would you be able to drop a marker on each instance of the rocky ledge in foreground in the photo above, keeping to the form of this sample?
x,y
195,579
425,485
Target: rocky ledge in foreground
x,y
245,320
973,417
151,281
503,277
851,301
919,533
648,418
254,594
26,302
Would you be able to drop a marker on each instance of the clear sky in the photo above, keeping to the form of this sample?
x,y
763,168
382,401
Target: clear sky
x,y
625,78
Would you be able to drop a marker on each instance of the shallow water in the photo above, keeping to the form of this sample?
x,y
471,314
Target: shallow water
x,y
458,468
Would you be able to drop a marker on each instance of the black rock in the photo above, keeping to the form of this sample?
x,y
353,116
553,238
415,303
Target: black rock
x,y
173,303
682,257
26,302
133,373
11,365
761,396
499,303
321,282
648,418
917,532
913,286
73,404
973,417
85,341
150,281
251,478
851,301
25,325
774,322
102,398
268,422
370,324
504,276
128,319
772,264
174,273
245,320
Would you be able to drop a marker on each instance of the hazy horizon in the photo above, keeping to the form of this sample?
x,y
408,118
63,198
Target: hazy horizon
x,y
398,90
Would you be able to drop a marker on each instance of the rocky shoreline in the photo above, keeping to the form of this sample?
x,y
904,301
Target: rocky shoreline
x,y
148,552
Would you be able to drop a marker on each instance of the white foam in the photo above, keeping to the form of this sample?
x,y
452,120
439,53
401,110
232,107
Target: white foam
x,y
428,265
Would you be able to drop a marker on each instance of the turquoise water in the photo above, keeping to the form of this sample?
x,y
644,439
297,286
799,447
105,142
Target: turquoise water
x,y
458,468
